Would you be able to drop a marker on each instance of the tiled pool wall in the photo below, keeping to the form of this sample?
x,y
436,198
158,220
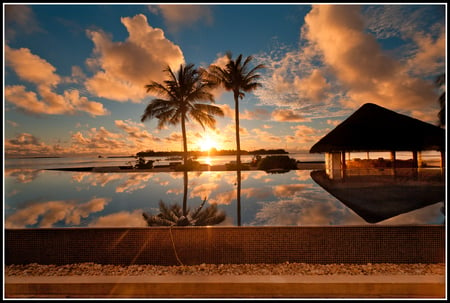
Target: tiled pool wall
x,y
227,245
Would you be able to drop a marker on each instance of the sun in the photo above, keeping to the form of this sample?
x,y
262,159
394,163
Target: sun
x,y
207,143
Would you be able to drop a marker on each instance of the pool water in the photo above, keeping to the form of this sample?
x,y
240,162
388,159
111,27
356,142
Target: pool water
x,y
38,198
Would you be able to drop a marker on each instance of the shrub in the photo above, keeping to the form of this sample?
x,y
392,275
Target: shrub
x,y
141,164
272,162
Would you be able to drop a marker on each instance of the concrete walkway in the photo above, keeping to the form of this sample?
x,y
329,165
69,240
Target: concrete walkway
x,y
243,286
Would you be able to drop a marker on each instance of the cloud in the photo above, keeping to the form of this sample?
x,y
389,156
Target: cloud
x,y
228,111
135,131
26,144
313,87
19,19
367,72
30,67
33,69
122,69
340,62
428,59
263,136
307,135
287,115
255,114
178,17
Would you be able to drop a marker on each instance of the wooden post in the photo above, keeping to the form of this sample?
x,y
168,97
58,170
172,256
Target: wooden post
x,y
415,165
393,160
343,165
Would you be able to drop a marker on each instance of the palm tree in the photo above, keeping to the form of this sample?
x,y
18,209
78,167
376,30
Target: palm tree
x,y
184,95
239,78
172,215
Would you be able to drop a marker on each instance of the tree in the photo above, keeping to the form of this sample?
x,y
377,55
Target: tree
x,y
238,78
173,215
183,95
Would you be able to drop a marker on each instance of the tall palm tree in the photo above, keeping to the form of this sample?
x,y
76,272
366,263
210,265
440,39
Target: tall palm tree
x,y
239,78
183,95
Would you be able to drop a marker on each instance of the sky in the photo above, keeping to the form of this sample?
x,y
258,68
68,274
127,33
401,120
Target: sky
x,y
75,74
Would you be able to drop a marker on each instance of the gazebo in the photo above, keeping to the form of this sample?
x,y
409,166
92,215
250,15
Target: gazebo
x,y
373,128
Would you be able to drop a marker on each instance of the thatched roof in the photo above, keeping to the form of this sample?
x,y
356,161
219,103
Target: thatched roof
x,y
375,128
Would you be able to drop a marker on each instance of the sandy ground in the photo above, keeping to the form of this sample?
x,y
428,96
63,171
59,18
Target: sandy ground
x,y
92,269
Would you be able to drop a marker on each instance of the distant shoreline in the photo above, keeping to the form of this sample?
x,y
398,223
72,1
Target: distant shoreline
x,y
307,165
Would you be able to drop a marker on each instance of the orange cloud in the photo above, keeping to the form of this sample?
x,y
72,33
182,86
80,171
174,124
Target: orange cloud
x,y
313,87
177,17
33,69
255,114
360,64
30,67
287,115
122,69
26,144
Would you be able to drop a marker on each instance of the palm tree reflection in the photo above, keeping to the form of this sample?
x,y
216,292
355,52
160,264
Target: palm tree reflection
x,y
238,197
174,215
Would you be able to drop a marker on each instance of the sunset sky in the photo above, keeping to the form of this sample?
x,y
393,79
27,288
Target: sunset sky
x,y
74,75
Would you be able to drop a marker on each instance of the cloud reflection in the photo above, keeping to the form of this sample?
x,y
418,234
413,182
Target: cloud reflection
x,y
304,211
46,214
123,219
22,175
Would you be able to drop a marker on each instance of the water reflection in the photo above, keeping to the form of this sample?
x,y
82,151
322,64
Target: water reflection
x,y
174,215
379,197
248,198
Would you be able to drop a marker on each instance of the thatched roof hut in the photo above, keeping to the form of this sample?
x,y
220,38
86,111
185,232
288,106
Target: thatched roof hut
x,y
375,128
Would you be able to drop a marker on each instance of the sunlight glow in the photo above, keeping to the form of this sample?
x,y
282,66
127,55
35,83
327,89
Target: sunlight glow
x,y
208,160
207,143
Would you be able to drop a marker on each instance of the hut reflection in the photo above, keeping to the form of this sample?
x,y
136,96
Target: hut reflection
x,y
377,198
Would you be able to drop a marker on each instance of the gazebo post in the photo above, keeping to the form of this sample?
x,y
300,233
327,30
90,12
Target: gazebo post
x,y
415,164
344,165
393,160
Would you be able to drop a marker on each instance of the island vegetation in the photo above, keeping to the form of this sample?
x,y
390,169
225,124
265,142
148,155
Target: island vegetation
x,y
212,152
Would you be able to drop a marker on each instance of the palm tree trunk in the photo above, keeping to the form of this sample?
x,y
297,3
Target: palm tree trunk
x,y
238,157
238,139
185,158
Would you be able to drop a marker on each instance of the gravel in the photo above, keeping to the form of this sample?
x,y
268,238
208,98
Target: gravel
x,y
93,269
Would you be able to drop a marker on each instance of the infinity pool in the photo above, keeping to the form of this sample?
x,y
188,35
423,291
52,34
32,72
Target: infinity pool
x,y
36,198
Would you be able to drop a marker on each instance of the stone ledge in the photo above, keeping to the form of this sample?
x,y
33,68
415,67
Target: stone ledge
x,y
243,286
